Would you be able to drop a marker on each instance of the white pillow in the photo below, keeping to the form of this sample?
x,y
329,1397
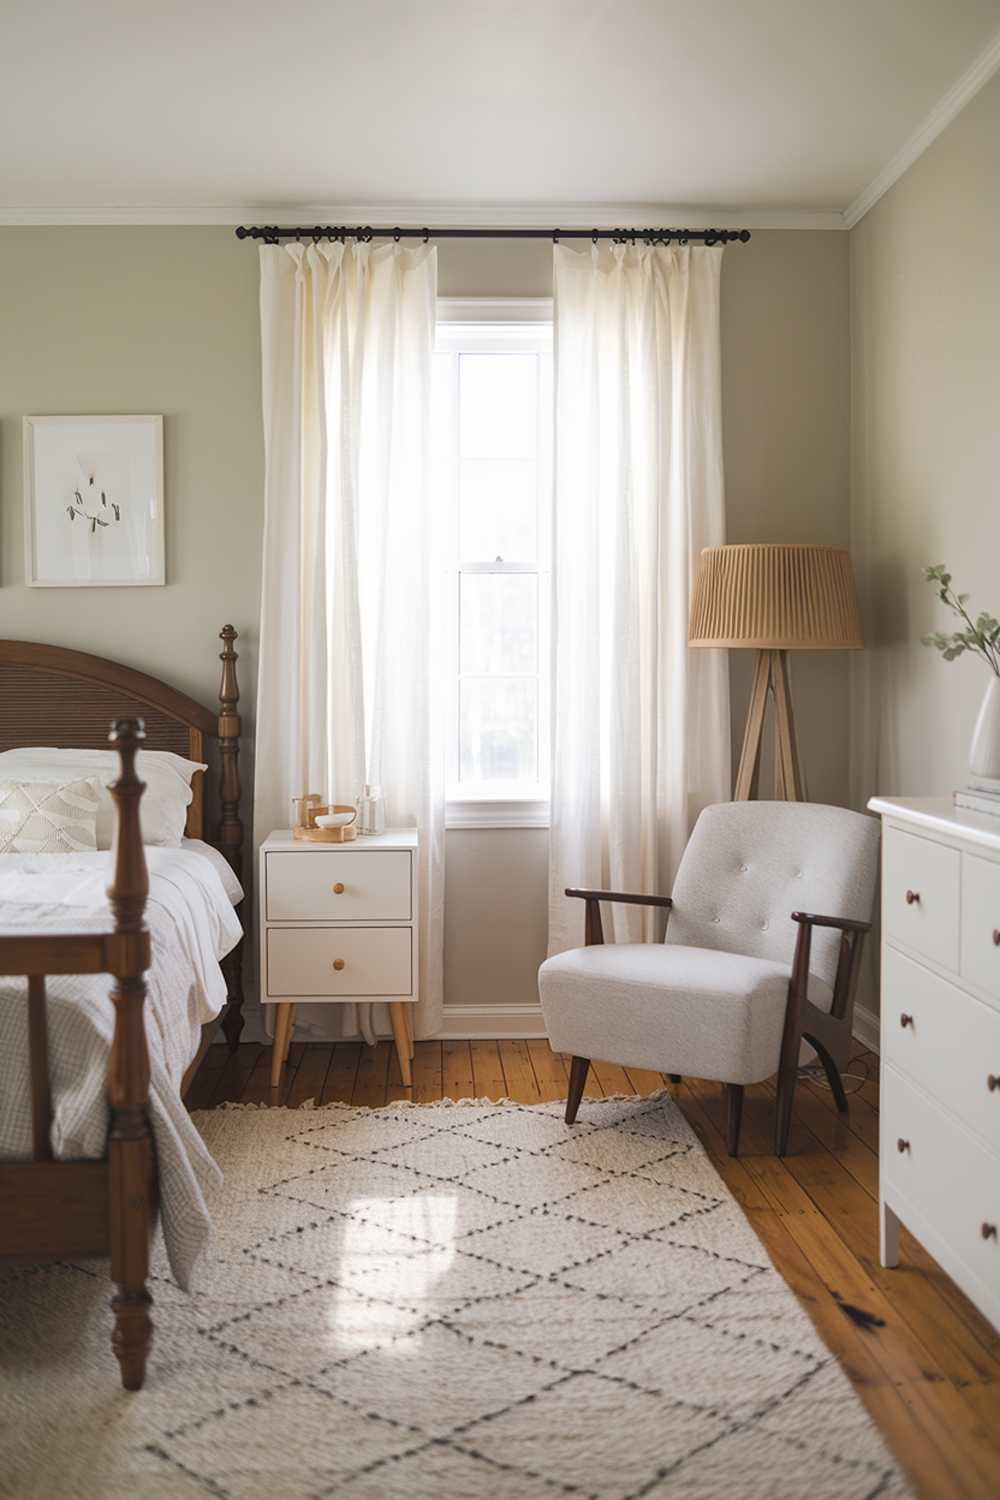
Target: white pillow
x,y
46,817
164,805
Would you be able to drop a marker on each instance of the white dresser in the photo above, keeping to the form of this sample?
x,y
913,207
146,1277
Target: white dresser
x,y
940,1064
338,922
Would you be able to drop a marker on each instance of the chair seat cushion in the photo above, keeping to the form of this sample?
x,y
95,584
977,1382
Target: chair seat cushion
x,y
696,1011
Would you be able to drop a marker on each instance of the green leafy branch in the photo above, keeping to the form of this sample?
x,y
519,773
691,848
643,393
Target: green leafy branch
x,y
981,635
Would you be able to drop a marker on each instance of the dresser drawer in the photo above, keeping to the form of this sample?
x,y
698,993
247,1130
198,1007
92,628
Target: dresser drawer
x,y
302,961
337,886
946,1040
920,895
981,924
948,1177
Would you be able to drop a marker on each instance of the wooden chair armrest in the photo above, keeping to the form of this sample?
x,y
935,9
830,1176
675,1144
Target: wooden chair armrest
x,y
593,927
852,937
845,924
624,896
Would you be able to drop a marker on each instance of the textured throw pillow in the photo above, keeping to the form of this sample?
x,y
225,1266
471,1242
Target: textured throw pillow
x,y
164,805
41,817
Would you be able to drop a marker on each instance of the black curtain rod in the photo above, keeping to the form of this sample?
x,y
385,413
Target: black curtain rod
x,y
272,234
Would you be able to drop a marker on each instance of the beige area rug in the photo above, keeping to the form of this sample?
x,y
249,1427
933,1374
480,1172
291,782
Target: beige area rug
x,y
445,1302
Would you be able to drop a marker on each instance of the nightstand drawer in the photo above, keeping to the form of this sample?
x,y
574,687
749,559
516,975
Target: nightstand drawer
x,y
330,962
948,1177
338,886
946,1040
981,924
920,888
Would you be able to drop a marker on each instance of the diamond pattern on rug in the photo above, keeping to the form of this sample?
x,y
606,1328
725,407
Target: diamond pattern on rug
x,y
445,1302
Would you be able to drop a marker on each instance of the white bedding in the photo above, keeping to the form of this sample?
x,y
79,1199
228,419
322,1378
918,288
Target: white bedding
x,y
192,925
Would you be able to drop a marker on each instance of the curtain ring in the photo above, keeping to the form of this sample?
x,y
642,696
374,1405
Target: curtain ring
x,y
555,236
427,235
593,237
396,235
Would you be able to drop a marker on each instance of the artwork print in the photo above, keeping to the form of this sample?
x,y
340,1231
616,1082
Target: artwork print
x,y
93,501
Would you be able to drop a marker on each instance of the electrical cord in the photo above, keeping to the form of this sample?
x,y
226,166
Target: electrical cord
x,y
815,1073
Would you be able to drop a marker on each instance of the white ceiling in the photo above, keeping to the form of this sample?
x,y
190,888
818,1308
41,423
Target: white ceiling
x,y
211,108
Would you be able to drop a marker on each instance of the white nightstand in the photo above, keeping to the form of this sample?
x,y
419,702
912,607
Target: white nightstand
x,y
338,922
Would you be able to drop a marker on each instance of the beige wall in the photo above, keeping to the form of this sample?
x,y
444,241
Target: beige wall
x,y
142,320
925,330
165,320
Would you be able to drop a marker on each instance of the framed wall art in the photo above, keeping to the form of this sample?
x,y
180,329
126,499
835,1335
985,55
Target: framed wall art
x,y
93,501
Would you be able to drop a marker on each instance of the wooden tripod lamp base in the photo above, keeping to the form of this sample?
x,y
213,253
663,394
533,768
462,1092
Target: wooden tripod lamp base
x,y
770,680
774,599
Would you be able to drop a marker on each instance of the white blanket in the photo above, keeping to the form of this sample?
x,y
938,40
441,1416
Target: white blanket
x,y
192,925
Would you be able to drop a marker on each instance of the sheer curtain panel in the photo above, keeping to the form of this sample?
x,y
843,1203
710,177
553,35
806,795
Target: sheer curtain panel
x,y
640,727
348,688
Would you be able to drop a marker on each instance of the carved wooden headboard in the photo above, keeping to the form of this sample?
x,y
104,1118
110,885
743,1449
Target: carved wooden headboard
x,y
52,695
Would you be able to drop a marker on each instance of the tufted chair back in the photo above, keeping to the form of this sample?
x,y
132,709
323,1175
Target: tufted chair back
x,y
749,865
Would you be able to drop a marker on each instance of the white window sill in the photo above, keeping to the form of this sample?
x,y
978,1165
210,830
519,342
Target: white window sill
x,y
497,812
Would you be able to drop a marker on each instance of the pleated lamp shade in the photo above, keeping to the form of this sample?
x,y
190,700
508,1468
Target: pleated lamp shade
x,y
775,598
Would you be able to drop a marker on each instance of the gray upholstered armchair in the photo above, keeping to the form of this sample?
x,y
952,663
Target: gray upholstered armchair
x,y
766,924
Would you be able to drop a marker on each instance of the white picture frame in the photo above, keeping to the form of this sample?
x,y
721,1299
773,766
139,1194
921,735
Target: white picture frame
x,y
93,502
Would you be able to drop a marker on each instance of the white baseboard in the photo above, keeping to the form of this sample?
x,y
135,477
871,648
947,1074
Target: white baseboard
x,y
463,1023
473,1023
866,1027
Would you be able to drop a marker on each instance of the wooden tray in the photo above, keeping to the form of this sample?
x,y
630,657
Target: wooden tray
x,y
326,835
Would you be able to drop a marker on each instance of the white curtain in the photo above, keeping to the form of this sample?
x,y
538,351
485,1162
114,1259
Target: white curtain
x,y
349,618
640,731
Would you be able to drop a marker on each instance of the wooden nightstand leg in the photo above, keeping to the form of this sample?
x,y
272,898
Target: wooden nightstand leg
x,y
288,1032
282,1026
408,1015
401,1036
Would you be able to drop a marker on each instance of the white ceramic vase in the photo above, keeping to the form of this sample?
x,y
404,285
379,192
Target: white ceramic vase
x,y
984,754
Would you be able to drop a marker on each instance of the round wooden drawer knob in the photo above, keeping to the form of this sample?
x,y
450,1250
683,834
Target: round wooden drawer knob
x,y
338,889
338,963
992,1082
988,1231
996,937
905,1020
912,898
902,1145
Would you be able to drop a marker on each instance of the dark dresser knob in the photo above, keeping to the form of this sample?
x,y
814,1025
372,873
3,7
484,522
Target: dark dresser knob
x,y
992,1082
988,1231
905,1020
912,898
996,937
902,1145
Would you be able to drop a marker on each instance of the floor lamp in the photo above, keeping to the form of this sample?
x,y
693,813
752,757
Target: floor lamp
x,y
774,599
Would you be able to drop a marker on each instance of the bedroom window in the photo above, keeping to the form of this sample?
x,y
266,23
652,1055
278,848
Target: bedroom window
x,y
493,463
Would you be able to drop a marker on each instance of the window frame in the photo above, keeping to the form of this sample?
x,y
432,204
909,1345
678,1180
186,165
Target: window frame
x,y
503,324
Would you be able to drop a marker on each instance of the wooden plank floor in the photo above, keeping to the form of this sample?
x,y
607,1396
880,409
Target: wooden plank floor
x,y
923,1360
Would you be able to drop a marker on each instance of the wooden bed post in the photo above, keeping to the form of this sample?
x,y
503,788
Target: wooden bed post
x,y
231,826
130,1147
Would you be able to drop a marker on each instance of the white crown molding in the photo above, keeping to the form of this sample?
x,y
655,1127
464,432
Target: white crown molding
x,y
940,117
439,215
534,215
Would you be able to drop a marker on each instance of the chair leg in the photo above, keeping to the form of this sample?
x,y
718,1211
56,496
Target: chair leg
x,y
783,1109
833,1077
579,1068
734,1117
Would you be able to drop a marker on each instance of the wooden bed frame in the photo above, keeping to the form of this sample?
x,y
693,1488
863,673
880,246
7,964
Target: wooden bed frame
x,y
58,1210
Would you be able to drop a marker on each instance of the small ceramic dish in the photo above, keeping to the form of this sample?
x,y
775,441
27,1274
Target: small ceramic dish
x,y
335,819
